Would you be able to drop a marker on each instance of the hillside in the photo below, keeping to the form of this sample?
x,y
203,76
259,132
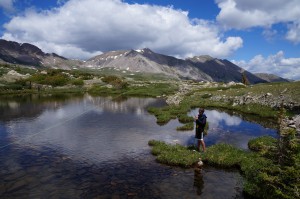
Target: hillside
x,y
28,54
222,70
270,77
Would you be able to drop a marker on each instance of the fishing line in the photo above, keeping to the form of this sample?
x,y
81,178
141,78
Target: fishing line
x,y
56,125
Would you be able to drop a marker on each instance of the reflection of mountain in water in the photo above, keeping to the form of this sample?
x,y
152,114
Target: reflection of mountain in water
x,y
30,106
132,105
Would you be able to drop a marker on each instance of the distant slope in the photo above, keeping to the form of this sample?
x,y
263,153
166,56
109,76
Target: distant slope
x,y
147,61
270,77
28,54
222,70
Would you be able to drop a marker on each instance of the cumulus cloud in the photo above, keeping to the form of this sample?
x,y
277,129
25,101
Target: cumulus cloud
x,y
293,34
275,64
242,14
92,26
7,5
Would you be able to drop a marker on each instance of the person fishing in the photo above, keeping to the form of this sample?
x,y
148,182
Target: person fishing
x,y
200,125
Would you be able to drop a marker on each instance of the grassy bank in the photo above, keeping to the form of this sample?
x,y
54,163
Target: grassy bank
x,y
147,90
104,82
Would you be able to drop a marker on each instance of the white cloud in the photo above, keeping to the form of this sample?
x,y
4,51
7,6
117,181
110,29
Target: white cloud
x,y
243,14
91,26
294,33
275,64
7,5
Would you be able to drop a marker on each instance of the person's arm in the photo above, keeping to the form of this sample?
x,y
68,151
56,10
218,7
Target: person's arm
x,y
201,121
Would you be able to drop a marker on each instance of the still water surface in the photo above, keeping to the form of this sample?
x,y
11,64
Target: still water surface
x,y
94,147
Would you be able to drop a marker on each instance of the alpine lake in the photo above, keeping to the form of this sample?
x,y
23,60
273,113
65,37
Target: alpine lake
x,y
80,146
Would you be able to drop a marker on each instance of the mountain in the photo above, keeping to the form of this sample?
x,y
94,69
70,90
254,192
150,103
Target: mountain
x,y
222,70
147,61
270,77
28,54
200,68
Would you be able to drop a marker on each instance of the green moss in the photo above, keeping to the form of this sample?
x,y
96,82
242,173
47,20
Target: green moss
x,y
223,155
53,78
263,145
175,155
206,95
77,82
183,118
186,127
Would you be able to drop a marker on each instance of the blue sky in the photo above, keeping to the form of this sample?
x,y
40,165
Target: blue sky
x,y
259,36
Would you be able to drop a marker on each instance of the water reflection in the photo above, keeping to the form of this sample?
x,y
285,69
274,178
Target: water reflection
x,y
198,180
231,129
86,147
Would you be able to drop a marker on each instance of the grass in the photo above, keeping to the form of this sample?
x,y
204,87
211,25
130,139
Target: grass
x,y
174,155
165,114
186,127
149,90
263,145
196,101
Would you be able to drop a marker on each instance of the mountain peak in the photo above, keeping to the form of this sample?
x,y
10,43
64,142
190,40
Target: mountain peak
x,y
144,50
201,58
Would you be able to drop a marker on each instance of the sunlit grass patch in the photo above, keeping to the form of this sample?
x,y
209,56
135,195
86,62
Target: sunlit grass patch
x,y
263,145
174,155
223,155
186,127
183,118
148,90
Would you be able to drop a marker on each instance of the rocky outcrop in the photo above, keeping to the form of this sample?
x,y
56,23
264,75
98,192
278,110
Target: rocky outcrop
x,y
294,123
13,76
186,87
175,99
264,99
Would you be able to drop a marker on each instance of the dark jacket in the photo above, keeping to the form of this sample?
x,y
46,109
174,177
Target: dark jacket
x,y
200,124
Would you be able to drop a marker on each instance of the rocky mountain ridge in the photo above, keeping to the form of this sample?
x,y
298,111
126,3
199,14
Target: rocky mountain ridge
x,y
28,54
200,68
271,77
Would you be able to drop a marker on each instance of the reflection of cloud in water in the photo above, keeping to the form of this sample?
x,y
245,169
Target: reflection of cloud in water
x,y
216,117
82,129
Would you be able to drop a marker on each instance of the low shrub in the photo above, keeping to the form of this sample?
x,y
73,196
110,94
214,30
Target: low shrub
x,y
77,82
